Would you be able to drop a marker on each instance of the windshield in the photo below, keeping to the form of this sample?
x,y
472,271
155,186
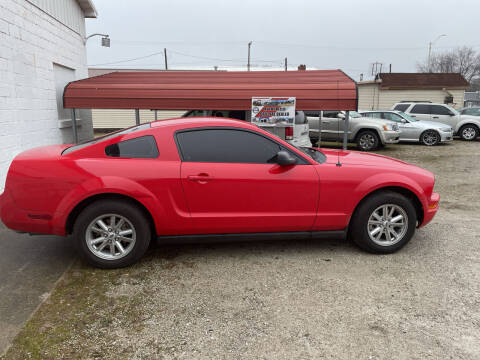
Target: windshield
x,y
455,112
406,116
314,154
106,137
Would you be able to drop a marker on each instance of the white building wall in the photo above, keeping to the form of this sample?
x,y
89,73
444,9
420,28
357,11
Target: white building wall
x,y
122,118
31,42
371,97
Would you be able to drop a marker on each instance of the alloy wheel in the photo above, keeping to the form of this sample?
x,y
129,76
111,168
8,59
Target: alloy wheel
x,y
387,225
110,236
469,133
367,142
430,138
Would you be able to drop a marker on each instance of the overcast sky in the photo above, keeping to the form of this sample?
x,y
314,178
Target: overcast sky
x,y
345,34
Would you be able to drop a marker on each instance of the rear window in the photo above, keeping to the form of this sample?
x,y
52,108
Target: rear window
x,y
143,147
401,107
106,137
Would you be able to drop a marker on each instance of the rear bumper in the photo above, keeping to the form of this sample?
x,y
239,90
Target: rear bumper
x,y
431,210
21,220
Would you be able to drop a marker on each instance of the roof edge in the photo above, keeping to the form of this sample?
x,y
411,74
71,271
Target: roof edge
x,y
88,8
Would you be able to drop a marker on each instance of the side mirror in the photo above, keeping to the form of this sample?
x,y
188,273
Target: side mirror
x,y
404,121
341,116
285,159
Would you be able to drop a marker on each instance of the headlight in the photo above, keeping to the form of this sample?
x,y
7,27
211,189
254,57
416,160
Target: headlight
x,y
390,127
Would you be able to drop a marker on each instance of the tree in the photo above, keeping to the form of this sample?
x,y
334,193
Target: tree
x,y
463,60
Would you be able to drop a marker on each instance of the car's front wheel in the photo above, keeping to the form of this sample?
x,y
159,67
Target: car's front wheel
x,y
430,138
112,234
383,223
469,132
368,140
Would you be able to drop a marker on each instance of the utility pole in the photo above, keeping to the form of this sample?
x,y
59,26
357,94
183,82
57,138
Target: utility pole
x,y
165,54
248,64
286,64
390,68
430,44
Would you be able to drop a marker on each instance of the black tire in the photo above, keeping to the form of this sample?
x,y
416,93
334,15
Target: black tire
x,y
129,211
430,138
368,140
359,227
469,132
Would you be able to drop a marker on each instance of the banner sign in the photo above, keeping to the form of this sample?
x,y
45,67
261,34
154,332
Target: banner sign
x,y
273,111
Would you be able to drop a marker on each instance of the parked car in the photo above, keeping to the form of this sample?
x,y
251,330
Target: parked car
x,y
366,132
298,137
427,132
471,111
465,126
189,179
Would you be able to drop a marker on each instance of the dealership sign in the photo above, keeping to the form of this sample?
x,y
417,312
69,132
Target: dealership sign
x,y
273,111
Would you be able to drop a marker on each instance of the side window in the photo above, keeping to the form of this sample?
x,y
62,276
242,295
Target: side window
x,y
330,114
420,109
440,110
141,147
392,117
372,115
401,107
227,146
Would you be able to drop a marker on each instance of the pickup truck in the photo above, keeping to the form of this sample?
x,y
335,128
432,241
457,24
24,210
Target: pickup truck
x,y
367,133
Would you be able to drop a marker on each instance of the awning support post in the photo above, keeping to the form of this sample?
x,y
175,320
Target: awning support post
x,y
345,130
156,117
319,129
137,116
74,127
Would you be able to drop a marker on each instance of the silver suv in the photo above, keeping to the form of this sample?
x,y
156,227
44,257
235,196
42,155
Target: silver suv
x,y
366,132
465,126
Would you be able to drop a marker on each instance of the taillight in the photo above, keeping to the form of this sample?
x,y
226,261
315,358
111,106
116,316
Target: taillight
x,y
289,133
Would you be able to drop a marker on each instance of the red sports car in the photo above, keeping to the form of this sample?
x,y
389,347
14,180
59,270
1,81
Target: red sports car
x,y
209,178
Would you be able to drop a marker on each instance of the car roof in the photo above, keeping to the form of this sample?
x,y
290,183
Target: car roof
x,y
204,120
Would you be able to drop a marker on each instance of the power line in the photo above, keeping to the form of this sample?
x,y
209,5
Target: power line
x,y
128,60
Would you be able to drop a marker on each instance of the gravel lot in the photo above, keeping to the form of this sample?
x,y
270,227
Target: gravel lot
x,y
285,300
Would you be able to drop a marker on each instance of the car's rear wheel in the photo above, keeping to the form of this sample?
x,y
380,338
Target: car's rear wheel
x,y
383,223
368,140
112,234
430,138
469,132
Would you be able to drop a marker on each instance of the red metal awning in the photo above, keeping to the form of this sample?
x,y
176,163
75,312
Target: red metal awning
x,y
211,90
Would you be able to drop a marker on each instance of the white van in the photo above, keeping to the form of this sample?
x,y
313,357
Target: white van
x,y
299,138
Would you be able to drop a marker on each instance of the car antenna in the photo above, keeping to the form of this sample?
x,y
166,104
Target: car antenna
x,y
338,134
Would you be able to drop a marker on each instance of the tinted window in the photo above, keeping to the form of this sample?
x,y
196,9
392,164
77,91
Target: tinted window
x,y
141,147
392,117
420,109
401,107
440,110
330,114
471,111
227,146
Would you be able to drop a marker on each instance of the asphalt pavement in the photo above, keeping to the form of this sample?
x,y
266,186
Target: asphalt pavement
x,y
29,269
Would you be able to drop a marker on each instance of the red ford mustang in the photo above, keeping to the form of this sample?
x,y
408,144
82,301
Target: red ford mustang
x,y
210,178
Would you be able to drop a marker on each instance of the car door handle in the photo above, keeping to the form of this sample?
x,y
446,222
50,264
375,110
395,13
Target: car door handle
x,y
413,115
200,177
435,117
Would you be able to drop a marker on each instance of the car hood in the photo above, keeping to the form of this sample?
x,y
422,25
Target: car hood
x,y
361,158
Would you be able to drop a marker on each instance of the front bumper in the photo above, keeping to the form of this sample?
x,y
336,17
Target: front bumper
x,y
390,137
431,210
446,136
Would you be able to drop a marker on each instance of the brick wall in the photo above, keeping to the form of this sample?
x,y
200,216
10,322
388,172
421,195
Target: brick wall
x,y
31,41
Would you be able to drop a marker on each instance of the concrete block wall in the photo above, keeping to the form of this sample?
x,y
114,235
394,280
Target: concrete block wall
x,y
31,41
